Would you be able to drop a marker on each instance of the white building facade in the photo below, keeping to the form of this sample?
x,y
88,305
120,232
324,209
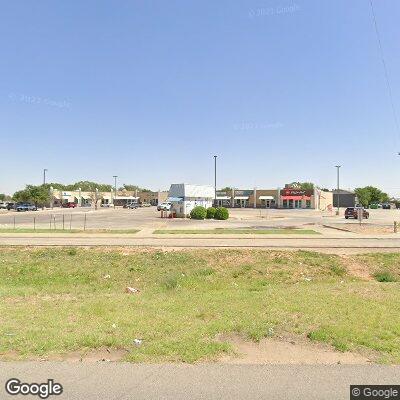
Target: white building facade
x,y
184,197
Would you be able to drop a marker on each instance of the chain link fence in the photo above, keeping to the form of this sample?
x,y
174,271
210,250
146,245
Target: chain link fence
x,y
53,222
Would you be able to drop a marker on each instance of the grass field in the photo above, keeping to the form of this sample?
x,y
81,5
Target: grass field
x,y
54,301
44,230
227,231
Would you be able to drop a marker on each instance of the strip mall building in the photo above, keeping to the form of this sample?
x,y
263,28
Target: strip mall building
x,y
287,198
97,198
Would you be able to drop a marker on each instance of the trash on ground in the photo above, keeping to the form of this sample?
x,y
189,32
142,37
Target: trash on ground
x,y
138,342
131,290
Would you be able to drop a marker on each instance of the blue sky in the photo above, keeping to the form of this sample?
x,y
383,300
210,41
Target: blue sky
x,y
151,90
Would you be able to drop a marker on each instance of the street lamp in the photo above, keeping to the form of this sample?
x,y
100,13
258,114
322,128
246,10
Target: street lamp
x,y
115,188
338,188
215,180
44,175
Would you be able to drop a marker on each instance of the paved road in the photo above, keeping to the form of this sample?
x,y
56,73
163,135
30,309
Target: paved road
x,y
203,241
124,381
150,218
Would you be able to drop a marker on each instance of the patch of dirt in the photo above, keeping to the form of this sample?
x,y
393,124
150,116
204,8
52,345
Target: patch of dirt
x,y
286,351
10,355
356,268
365,228
95,355
35,299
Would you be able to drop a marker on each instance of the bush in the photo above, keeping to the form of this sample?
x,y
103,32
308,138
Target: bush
x,y
384,276
170,281
211,212
221,213
198,212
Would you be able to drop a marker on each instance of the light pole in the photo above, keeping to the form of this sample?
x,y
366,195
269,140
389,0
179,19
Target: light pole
x,y
44,175
115,188
215,180
338,188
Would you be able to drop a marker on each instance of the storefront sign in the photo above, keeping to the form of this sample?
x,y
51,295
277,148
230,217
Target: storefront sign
x,y
297,192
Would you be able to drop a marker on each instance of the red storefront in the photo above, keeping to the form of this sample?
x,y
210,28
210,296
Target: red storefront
x,y
296,198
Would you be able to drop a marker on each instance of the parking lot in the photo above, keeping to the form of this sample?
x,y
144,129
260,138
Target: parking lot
x,y
149,219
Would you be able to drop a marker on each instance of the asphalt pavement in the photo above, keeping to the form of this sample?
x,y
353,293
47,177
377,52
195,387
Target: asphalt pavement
x,y
120,381
333,243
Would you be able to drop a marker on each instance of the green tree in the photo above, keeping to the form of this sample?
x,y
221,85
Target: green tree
x,y
132,188
363,196
39,195
88,186
370,195
55,185
303,185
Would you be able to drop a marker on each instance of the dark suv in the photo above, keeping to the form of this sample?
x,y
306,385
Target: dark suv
x,y
352,212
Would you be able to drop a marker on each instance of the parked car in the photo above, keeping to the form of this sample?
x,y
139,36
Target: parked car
x,y
132,206
10,206
164,206
145,205
69,204
25,207
386,206
3,205
352,212
106,205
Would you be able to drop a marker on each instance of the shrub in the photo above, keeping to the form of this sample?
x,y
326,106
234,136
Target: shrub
x,y
221,213
211,212
170,281
384,276
72,251
198,212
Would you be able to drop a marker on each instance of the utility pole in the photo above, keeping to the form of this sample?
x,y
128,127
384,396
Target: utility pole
x,y
115,188
44,176
338,188
215,180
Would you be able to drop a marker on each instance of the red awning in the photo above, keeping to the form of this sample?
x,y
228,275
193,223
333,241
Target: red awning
x,y
296,197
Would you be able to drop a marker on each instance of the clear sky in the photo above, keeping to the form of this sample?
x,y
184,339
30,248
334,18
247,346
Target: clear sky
x,y
150,90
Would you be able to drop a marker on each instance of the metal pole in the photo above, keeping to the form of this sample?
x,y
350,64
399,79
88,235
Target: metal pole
x,y
14,221
215,180
50,220
338,188
63,221
34,223
44,176
84,223
115,187
70,221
